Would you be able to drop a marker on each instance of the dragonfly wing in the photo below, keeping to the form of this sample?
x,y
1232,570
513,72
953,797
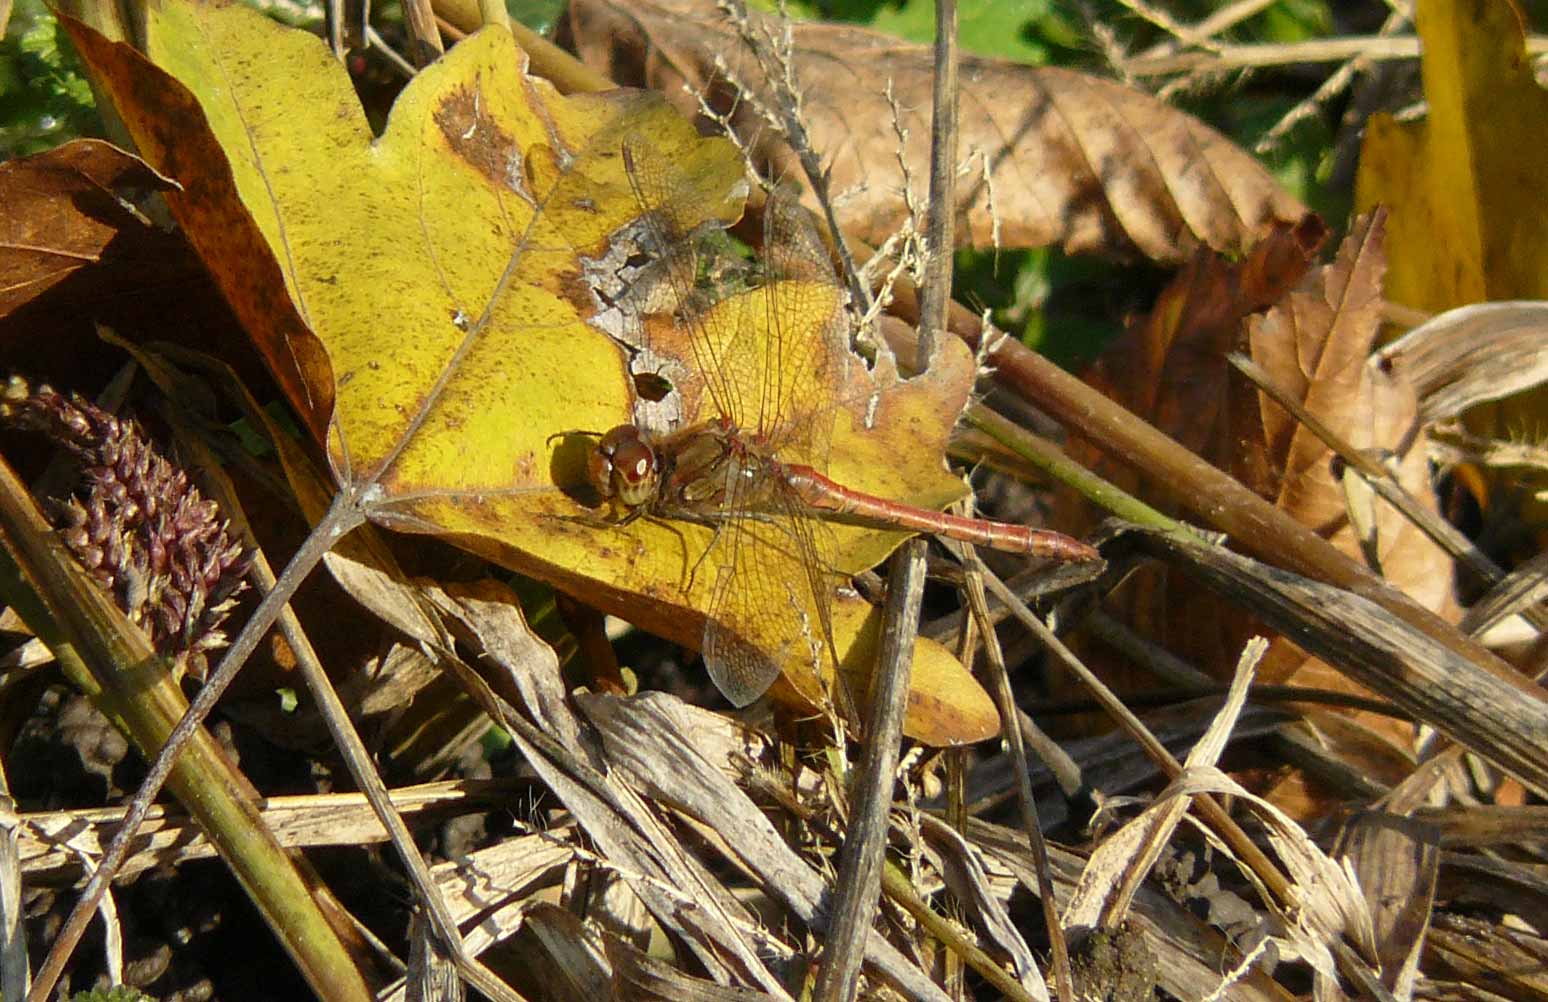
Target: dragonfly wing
x,y
739,669
770,608
663,193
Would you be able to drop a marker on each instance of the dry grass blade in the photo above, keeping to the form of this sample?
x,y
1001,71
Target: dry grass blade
x,y
1123,766
1477,951
631,840
637,977
51,843
566,945
650,741
1190,953
1261,866
15,972
431,977
962,868
1518,592
1471,881
1484,713
1123,861
1484,824
1025,801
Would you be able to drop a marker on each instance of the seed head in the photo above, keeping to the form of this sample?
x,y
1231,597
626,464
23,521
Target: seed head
x,y
138,525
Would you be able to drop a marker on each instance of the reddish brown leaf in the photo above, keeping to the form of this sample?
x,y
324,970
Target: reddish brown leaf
x,y
62,210
1170,368
76,252
1314,344
224,235
1077,161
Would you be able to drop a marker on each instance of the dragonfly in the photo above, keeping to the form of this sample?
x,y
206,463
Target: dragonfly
x,y
751,461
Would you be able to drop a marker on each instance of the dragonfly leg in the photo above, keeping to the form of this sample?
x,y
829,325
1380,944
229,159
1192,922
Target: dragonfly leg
x,y
693,572
611,520
589,521
581,432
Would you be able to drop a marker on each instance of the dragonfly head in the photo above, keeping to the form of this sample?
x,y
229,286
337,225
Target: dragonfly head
x,y
624,468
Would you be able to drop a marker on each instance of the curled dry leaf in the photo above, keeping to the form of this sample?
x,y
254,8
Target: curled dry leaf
x,y
496,883
1472,354
63,208
1058,157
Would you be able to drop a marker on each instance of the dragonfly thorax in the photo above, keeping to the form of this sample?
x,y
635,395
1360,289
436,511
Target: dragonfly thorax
x,y
623,467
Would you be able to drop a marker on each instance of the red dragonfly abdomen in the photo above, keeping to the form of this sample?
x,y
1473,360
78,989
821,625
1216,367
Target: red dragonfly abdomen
x,y
819,492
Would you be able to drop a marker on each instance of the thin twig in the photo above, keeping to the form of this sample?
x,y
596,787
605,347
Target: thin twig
x,y
1322,50
1335,84
862,857
935,293
1272,877
1187,34
863,854
1440,532
357,758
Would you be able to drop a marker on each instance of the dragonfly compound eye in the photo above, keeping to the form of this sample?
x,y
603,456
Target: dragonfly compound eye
x,y
624,467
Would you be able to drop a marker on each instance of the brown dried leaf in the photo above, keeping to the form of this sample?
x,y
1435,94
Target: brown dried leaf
x,y
1396,860
1315,346
1169,367
63,208
76,252
1076,160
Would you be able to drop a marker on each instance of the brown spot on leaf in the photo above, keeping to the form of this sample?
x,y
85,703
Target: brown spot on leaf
x,y
477,139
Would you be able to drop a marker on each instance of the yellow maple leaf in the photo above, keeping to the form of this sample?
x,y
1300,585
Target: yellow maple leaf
x,y
443,330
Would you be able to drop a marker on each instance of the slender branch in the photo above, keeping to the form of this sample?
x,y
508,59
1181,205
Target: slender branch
x,y
1323,50
863,854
